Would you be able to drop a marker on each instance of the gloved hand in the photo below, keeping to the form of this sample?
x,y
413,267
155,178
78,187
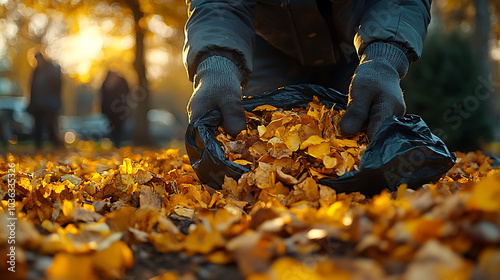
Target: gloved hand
x,y
217,86
375,94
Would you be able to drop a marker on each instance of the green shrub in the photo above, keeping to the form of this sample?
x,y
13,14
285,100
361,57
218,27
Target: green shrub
x,y
442,87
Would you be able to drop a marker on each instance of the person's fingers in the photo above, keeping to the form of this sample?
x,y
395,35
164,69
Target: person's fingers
x,y
376,119
355,115
381,111
194,108
234,118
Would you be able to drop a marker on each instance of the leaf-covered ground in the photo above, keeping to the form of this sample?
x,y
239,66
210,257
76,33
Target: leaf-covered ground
x,y
125,214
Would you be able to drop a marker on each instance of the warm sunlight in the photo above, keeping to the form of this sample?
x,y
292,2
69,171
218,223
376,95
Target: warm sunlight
x,y
88,52
77,53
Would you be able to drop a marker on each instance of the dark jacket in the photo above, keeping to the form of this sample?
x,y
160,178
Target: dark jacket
x,y
45,89
303,29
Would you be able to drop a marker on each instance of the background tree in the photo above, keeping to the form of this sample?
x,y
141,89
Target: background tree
x,y
170,12
456,63
479,18
438,88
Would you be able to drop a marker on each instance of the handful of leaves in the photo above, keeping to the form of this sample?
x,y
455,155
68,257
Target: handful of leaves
x,y
293,145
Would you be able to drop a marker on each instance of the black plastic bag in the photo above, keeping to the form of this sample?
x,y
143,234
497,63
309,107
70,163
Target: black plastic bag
x,y
403,151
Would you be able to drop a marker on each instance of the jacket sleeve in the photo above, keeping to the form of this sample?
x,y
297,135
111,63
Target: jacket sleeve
x,y
220,26
399,21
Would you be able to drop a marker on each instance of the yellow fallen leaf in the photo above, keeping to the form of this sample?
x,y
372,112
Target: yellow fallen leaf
x,y
114,260
242,162
310,187
292,139
171,275
202,241
265,108
329,162
219,257
319,150
313,140
287,268
69,266
264,176
486,194
337,142
68,207
184,212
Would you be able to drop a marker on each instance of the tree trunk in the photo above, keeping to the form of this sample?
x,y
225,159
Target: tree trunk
x,y
141,133
482,38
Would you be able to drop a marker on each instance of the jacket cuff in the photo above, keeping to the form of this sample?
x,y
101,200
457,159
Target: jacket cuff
x,y
389,53
193,57
243,75
221,66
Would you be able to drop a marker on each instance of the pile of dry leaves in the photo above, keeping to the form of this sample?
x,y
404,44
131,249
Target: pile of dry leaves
x,y
298,143
88,209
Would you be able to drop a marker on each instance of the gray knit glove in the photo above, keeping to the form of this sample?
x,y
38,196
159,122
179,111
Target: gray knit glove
x,y
217,86
375,94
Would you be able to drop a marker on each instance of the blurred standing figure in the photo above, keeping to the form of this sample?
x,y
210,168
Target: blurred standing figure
x,y
115,91
45,101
